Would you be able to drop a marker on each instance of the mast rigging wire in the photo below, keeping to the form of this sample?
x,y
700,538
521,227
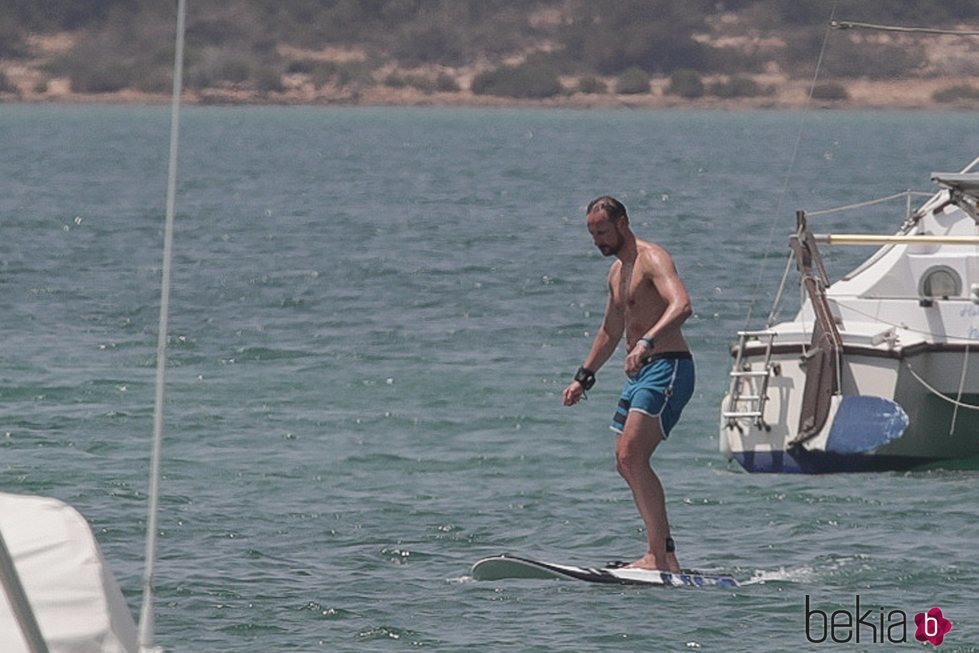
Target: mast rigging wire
x,y
849,24
789,169
146,625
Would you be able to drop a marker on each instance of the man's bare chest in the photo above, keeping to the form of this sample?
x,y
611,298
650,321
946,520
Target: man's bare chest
x,y
630,289
633,293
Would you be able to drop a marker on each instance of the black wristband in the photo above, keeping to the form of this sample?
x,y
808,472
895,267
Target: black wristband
x,y
585,377
648,341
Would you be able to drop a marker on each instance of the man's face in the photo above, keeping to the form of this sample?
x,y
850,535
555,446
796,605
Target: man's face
x,y
605,234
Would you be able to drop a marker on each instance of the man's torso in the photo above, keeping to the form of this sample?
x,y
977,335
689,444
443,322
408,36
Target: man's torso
x,y
641,304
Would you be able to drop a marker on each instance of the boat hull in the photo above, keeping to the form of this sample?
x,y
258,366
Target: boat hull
x,y
942,427
801,461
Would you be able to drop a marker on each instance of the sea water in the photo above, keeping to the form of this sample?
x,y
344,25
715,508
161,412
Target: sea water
x,y
374,313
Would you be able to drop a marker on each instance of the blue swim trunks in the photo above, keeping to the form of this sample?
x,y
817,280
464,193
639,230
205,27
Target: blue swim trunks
x,y
662,388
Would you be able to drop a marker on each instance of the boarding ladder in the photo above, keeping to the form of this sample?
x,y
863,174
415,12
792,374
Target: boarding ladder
x,y
751,406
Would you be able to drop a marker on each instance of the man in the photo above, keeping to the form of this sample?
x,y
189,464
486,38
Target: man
x,y
648,303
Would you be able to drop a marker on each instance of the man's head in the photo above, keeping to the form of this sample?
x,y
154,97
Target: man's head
x,y
608,224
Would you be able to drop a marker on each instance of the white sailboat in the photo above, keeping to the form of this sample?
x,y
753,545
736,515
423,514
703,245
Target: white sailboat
x,y
879,370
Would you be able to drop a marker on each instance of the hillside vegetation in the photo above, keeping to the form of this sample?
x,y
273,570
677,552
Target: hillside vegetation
x,y
274,50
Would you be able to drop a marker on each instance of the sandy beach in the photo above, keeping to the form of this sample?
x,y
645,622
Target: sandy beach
x,y
786,94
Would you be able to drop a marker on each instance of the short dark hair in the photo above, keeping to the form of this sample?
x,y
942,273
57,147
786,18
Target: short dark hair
x,y
612,207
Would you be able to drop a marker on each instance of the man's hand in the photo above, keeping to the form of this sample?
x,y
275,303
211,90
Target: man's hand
x,y
634,360
573,393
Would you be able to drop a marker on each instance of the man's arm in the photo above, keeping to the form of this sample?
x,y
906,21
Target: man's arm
x,y
662,272
602,348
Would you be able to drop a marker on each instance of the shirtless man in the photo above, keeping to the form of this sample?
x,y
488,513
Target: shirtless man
x,y
648,303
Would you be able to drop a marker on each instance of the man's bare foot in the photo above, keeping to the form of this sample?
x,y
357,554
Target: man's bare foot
x,y
649,561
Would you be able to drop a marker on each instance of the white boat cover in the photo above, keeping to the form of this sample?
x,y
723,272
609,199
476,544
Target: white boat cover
x,y
76,600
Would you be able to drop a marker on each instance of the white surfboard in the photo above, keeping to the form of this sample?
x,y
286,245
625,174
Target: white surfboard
x,y
507,566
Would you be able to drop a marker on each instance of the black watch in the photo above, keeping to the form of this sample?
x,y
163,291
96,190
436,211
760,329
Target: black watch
x,y
585,377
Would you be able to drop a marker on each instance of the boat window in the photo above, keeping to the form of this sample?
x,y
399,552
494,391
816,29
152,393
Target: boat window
x,y
941,281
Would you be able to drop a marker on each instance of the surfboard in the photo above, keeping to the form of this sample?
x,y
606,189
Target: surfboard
x,y
507,566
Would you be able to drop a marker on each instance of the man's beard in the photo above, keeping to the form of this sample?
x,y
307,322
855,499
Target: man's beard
x,y
611,250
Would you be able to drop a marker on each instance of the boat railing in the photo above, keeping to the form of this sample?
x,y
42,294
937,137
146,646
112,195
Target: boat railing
x,y
750,406
907,196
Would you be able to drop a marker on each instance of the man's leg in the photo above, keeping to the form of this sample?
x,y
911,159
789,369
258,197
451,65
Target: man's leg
x,y
633,449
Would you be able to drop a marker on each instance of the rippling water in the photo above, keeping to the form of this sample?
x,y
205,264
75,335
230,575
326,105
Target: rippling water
x,y
374,312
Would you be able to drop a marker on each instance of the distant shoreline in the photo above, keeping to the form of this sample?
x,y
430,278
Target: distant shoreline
x,y
26,81
782,92
942,76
